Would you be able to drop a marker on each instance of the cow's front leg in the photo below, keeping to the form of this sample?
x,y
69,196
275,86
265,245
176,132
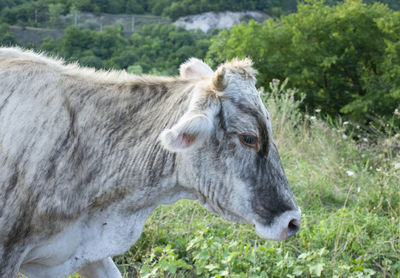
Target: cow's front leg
x,y
100,269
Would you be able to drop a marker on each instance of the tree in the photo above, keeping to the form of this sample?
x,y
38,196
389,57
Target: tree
x,y
6,36
344,57
135,69
55,11
163,48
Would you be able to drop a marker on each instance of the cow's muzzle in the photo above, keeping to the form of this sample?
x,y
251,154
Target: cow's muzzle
x,y
284,226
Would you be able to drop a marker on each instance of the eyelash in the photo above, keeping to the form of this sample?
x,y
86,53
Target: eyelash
x,y
249,140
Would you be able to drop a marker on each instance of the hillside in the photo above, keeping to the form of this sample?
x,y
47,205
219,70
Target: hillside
x,y
223,20
33,36
38,12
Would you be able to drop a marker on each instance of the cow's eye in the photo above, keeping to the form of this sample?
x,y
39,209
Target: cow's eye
x,y
249,140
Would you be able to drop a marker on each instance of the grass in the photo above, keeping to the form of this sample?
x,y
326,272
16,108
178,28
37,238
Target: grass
x,y
349,194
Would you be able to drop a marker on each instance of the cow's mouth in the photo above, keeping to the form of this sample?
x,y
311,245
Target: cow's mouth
x,y
225,213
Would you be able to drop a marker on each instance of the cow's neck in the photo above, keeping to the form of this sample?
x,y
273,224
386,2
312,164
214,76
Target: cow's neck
x,y
128,158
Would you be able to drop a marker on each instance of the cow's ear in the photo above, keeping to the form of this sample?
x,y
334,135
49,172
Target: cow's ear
x,y
188,133
195,68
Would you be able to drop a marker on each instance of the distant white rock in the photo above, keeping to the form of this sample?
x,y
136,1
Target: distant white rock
x,y
224,20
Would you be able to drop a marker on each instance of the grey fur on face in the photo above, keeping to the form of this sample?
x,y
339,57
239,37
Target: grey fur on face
x,y
85,157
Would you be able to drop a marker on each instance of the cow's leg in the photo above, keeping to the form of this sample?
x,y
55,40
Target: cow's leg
x,y
100,269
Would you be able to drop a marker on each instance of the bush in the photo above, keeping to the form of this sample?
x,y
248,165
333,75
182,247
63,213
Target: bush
x,y
163,48
345,58
7,38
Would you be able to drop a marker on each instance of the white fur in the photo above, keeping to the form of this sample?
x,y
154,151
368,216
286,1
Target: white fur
x,y
101,269
195,68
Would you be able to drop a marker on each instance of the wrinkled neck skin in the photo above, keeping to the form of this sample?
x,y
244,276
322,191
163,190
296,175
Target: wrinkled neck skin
x,y
149,174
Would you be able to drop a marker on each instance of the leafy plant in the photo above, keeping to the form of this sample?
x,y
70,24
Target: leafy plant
x,y
345,58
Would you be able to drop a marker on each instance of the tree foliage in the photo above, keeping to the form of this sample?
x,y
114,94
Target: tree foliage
x,y
178,8
346,58
14,11
165,47
155,49
6,36
37,11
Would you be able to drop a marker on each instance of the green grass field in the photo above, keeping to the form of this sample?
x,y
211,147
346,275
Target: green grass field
x,y
350,197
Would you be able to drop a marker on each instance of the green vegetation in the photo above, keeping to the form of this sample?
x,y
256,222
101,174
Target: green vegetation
x,y
6,36
156,48
29,11
175,9
163,48
349,195
36,12
346,58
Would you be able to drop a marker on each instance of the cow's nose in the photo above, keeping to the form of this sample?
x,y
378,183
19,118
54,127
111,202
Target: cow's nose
x,y
283,226
293,227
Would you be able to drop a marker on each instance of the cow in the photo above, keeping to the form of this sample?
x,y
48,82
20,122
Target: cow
x,y
86,156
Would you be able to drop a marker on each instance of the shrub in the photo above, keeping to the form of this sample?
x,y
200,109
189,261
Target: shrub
x,y
345,58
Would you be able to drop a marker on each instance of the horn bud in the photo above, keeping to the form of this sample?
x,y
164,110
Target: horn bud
x,y
219,80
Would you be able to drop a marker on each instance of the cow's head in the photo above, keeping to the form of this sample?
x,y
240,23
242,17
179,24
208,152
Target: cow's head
x,y
226,153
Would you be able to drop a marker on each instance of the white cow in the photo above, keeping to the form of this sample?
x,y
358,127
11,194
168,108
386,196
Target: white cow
x,y
86,156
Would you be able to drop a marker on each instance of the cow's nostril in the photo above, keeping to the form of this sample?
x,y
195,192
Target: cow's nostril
x,y
293,227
